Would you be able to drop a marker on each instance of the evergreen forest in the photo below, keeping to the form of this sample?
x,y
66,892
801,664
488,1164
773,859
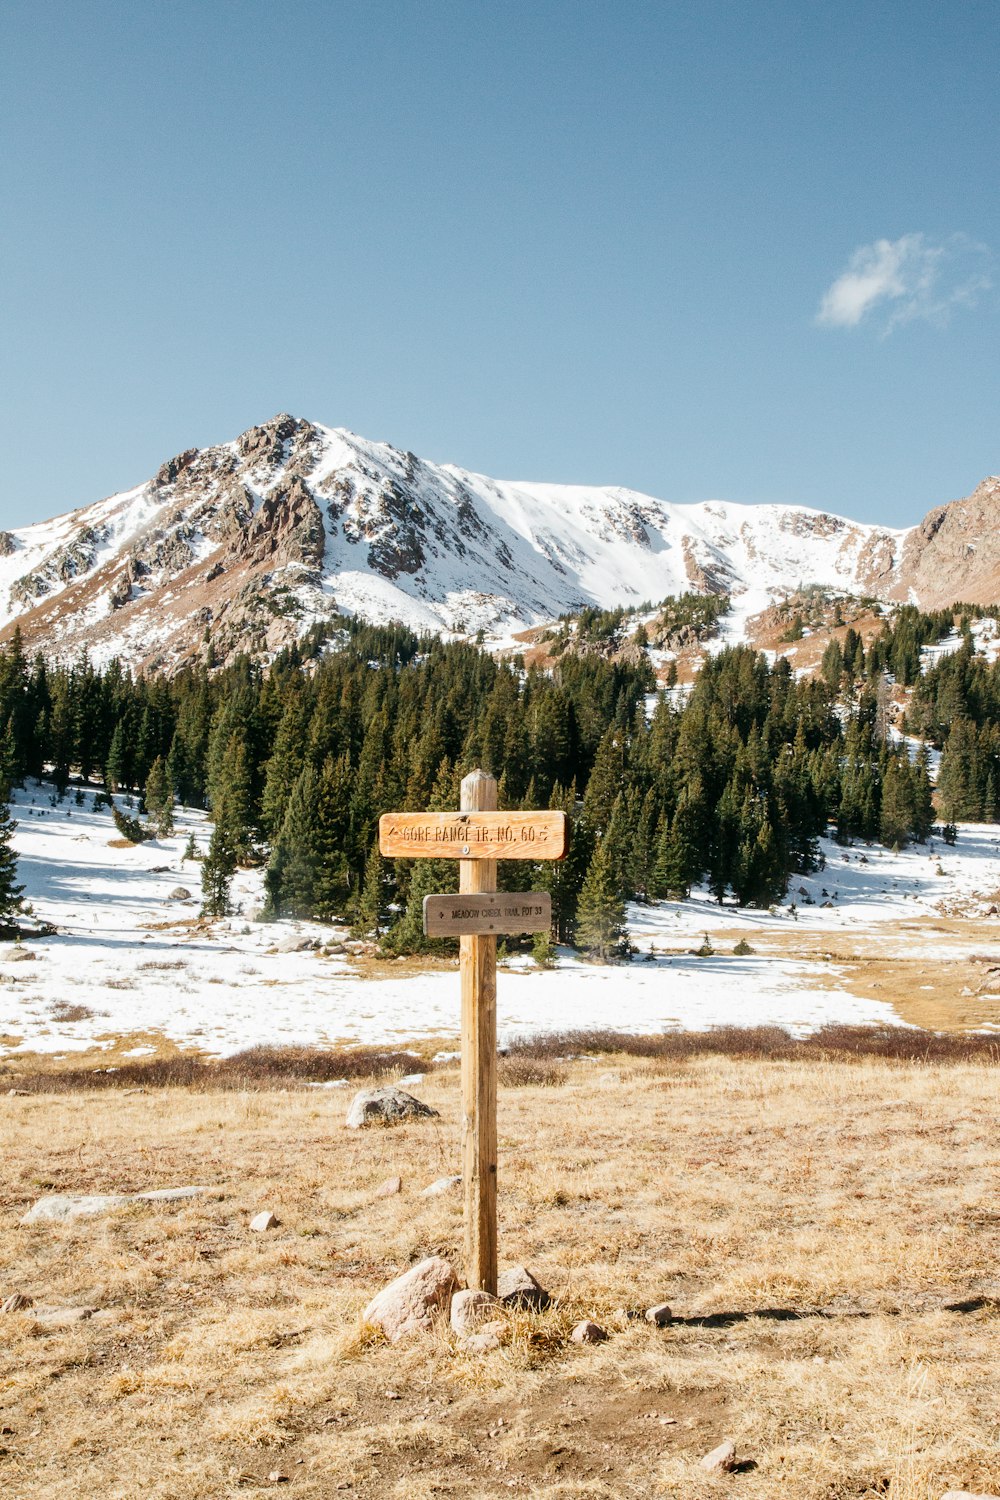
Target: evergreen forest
x,y
730,783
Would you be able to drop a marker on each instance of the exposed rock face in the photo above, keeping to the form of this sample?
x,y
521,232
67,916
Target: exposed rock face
x,y
243,546
955,551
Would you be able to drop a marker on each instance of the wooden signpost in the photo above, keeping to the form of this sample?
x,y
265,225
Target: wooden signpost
x,y
477,837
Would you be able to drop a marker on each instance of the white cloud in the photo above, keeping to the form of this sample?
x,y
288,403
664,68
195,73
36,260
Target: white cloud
x,y
908,278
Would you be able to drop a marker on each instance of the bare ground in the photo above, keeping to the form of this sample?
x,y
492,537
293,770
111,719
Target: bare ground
x,y
826,1233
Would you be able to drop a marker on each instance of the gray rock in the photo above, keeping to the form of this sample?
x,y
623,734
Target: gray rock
x,y
389,1188
412,1302
169,1195
62,1317
262,1222
660,1314
63,1208
721,1460
587,1332
482,1342
294,944
516,1287
179,893
16,1302
386,1106
442,1185
471,1309
18,955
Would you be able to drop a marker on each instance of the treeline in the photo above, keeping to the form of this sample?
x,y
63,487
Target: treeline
x,y
296,764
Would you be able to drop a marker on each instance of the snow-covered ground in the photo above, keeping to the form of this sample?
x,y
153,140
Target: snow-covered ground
x,y
130,959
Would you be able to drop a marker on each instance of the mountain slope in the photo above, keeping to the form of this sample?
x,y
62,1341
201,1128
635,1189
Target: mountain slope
x,y
244,545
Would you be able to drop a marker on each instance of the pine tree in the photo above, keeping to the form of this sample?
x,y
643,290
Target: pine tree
x,y
370,917
159,798
897,806
116,773
600,915
11,902
290,880
218,869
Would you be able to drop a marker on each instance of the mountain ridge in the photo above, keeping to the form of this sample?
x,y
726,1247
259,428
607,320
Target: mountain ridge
x,y
244,545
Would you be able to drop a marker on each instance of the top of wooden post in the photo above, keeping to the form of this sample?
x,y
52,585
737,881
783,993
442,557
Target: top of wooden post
x,y
479,792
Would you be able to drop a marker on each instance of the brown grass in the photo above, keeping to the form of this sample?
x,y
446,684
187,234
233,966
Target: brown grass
x,y
824,1225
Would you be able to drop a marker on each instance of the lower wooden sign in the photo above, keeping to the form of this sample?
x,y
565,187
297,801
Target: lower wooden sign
x,y
488,912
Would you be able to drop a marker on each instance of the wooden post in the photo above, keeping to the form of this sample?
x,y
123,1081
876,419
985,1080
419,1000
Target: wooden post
x,y
478,962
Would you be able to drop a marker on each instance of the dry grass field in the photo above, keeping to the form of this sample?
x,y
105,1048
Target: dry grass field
x,y
826,1232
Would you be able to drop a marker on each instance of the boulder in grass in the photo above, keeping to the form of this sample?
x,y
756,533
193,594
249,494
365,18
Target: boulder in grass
x,y
587,1332
721,1460
441,1185
660,1314
412,1302
16,1302
265,1220
516,1287
386,1106
63,1208
471,1309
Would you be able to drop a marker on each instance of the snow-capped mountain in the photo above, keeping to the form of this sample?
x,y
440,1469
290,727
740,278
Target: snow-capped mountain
x,y
244,545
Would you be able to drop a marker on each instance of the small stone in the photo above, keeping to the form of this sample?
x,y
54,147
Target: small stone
x,y
471,1309
18,955
482,1342
721,1460
265,1220
16,1302
276,1477
389,1188
63,1208
62,1317
516,1287
660,1314
386,1106
294,944
411,1303
442,1185
587,1332
179,893
18,1093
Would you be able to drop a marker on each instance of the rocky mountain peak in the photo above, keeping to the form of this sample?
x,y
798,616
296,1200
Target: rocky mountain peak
x,y
245,544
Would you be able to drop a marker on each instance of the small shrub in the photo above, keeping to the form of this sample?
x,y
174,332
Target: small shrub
x,y
525,1072
742,949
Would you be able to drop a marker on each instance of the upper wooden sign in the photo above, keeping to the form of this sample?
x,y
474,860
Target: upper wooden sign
x,y
478,835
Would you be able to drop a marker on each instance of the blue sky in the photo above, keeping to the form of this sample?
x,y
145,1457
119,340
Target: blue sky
x,y
746,251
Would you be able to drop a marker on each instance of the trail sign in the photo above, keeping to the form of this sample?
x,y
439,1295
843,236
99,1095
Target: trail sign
x,y
506,911
473,835
477,837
